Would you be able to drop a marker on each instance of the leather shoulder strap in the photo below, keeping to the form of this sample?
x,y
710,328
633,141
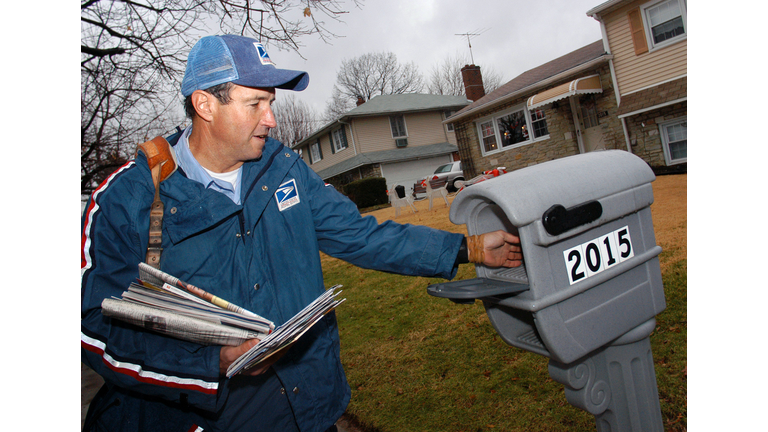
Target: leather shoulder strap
x,y
162,163
158,152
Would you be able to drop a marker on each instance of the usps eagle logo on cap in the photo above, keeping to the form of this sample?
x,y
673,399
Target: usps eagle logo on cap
x,y
287,195
263,56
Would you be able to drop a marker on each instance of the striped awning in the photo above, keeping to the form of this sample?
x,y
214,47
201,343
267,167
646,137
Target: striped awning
x,y
590,84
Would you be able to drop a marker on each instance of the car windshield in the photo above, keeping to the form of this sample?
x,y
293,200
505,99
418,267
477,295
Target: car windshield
x,y
444,168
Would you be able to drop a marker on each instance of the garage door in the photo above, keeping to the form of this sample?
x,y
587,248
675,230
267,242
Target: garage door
x,y
406,173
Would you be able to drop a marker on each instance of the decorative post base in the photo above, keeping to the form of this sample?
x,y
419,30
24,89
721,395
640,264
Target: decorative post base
x,y
616,384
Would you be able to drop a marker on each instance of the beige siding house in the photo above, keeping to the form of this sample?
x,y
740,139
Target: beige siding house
x,y
399,137
648,40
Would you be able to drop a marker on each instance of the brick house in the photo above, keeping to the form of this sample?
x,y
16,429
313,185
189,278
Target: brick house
x,y
610,94
399,137
561,108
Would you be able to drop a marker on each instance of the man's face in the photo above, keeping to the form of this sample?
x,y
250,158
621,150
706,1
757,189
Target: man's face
x,y
241,127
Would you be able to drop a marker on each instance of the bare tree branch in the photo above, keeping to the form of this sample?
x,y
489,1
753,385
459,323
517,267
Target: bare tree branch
x,y
133,54
96,52
445,77
371,75
295,120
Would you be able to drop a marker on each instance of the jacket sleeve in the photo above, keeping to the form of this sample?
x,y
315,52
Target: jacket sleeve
x,y
406,249
114,238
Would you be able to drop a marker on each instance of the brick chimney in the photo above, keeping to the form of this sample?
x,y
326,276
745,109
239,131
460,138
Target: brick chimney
x,y
473,82
360,100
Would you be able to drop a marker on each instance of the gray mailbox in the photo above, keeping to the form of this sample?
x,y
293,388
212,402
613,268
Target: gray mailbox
x,y
590,287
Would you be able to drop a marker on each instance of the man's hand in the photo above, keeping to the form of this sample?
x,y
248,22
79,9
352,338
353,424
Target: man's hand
x,y
496,249
229,354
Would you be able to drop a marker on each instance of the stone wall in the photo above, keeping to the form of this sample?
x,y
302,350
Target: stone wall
x,y
644,133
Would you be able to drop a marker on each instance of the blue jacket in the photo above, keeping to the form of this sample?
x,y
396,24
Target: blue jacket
x,y
262,255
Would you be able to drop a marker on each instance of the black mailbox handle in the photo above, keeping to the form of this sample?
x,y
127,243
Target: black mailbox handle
x,y
557,219
466,291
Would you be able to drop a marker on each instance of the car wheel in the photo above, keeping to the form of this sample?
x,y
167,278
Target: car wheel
x,y
452,187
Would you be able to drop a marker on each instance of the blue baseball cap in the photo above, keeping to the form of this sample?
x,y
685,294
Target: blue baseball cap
x,y
238,59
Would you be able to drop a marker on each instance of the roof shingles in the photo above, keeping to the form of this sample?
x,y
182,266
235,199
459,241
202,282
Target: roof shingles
x,y
540,73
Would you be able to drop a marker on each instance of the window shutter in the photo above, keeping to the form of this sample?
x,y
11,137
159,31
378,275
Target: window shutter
x,y
333,146
638,31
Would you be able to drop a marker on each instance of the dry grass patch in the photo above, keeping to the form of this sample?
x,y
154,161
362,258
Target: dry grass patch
x,y
670,217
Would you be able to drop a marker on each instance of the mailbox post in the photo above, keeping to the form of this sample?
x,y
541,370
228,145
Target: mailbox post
x,y
590,287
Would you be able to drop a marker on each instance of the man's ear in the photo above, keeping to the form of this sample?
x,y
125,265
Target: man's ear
x,y
204,103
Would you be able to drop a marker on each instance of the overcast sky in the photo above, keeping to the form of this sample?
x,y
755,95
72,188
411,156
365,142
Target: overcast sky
x,y
42,116
512,36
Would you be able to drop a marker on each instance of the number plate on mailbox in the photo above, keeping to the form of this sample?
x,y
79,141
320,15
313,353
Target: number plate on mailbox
x,y
595,256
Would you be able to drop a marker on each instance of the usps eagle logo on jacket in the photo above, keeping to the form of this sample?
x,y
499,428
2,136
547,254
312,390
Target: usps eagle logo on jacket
x,y
287,195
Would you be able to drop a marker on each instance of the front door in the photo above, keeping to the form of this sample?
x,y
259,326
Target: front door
x,y
591,132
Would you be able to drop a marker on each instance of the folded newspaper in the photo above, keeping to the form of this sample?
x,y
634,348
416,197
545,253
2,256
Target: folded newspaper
x,y
163,303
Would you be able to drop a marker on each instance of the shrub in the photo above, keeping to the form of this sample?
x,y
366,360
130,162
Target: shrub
x,y
367,192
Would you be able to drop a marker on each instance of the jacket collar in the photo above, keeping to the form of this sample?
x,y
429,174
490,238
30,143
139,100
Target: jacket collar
x,y
191,208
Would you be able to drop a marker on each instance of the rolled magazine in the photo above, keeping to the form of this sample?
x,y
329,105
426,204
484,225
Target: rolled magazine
x,y
167,298
179,326
152,275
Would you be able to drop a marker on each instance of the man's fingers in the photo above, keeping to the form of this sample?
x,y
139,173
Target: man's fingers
x,y
229,354
510,238
247,345
501,249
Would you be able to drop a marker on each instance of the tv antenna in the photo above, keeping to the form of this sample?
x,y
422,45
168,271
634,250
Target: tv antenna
x,y
468,34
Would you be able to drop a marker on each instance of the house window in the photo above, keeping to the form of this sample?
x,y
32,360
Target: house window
x,y
489,136
397,123
664,21
510,129
674,136
316,155
338,140
447,114
539,123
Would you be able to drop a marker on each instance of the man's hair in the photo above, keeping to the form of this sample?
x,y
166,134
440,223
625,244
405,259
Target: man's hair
x,y
220,92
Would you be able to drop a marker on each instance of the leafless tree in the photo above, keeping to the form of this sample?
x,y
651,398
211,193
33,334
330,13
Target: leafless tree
x,y
118,110
369,75
445,77
337,106
295,119
133,54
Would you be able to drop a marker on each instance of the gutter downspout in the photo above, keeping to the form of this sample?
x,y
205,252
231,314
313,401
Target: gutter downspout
x,y
616,92
607,49
626,134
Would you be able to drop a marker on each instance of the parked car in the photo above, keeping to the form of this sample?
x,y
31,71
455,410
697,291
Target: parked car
x,y
486,175
446,174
